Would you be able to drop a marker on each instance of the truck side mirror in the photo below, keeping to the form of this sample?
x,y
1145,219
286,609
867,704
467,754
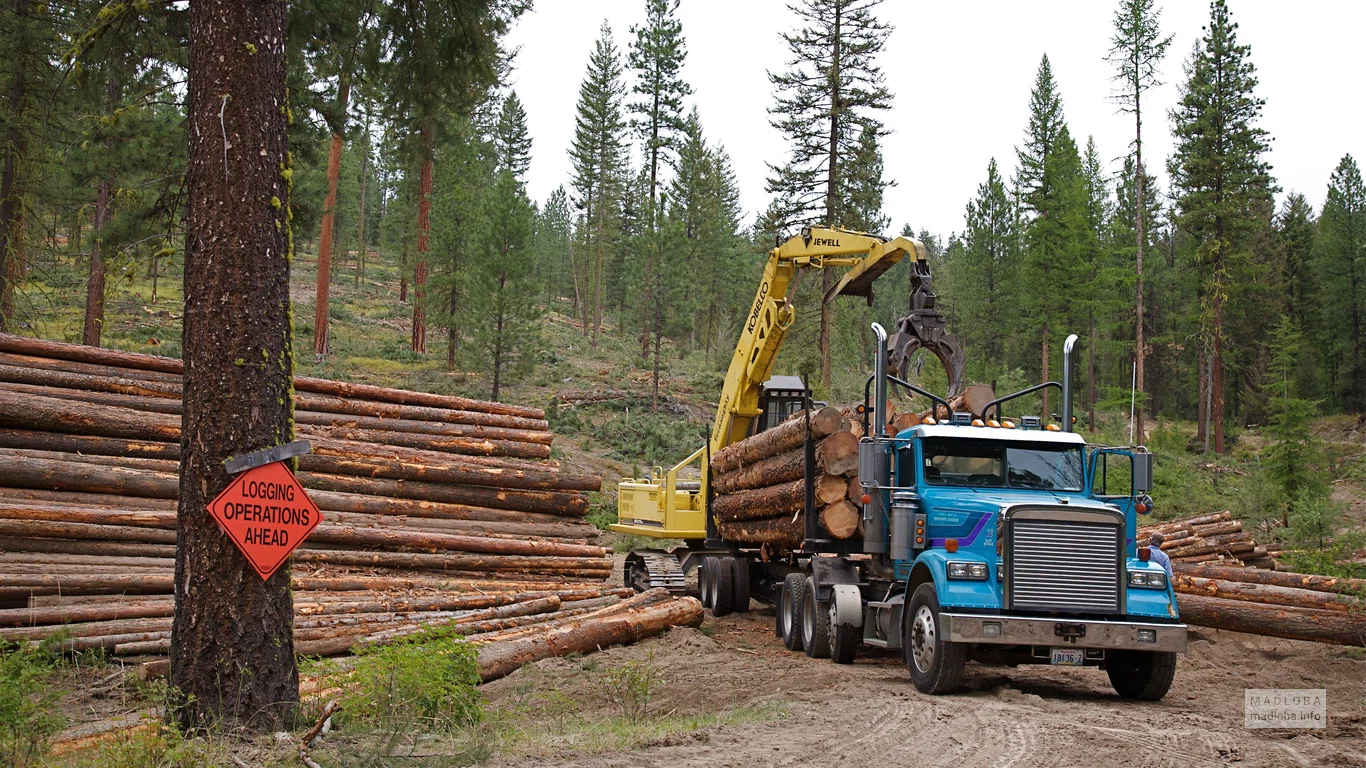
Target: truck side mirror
x,y
1143,472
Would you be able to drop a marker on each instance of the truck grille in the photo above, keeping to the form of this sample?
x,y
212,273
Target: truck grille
x,y
1058,565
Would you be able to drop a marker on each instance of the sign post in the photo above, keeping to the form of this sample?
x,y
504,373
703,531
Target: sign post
x,y
265,511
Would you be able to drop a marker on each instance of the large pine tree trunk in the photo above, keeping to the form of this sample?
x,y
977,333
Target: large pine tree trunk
x,y
1139,351
320,316
232,651
360,233
831,191
424,226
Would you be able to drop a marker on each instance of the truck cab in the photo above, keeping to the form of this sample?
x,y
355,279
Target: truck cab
x,y
994,541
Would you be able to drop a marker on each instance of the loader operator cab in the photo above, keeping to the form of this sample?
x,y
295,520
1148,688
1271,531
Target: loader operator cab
x,y
779,398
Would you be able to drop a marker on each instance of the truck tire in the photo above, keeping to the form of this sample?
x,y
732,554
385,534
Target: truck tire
x,y
790,610
815,623
723,587
704,582
936,665
1141,675
740,581
844,641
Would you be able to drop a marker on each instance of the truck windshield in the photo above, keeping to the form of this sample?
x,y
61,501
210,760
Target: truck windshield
x,y
999,464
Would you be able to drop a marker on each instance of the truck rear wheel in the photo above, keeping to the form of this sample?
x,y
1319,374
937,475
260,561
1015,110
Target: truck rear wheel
x,y
1141,675
722,586
740,582
936,665
815,623
790,610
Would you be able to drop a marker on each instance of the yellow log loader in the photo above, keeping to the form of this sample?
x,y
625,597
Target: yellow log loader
x,y
663,506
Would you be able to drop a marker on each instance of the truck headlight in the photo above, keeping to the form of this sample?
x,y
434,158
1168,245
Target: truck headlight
x,y
1148,579
970,571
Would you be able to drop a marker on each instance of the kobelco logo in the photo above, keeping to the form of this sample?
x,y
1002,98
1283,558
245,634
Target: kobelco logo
x,y
758,304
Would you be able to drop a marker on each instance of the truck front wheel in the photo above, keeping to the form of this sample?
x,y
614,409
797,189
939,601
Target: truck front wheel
x,y
1141,675
936,665
815,623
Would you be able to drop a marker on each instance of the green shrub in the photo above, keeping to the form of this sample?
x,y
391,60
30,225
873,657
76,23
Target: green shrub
x,y
427,680
28,711
632,685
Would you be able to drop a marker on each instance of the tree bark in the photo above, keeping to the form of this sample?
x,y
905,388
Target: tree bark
x,y
424,225
1265,593
324,279
418,427
94,286
841,519
1302,581
11,208
777,499
232,654
776,440
1274,620
781,531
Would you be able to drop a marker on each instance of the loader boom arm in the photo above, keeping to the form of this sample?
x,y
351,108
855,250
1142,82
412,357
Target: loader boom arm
x,y
772,313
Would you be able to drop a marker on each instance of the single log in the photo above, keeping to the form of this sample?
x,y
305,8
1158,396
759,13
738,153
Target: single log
x,y
551,529
473,446
307,401
89,369
88,532
1342,586
1190,522
1266,593
411,604
22,345
1337,627
841,519
90,585
492,564
407,397
854,491
498,659
542,437
88,445
783,468
153,404
351,449
420,507
108,642
1217,529
131,462
904,421
771,442
453,472
366,583
838,453
545,502
51,414
779,531
68,547
18,617
43,378
88,629
777,499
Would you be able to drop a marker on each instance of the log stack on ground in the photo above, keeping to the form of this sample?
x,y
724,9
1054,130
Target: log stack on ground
x,y
437,509
1212,538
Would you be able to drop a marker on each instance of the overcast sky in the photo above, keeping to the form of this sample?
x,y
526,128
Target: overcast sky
x,y
960,74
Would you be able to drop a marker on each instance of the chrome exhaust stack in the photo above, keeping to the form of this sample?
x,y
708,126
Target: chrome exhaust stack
x,y
875,456
1067,347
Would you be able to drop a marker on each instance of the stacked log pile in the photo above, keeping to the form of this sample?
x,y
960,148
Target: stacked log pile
x,y
436,509
760,482
1213,538
1223,579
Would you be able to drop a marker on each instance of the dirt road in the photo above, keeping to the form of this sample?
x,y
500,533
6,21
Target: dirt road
x,y
870,714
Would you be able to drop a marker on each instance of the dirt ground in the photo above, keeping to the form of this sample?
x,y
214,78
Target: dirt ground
x,y
870,714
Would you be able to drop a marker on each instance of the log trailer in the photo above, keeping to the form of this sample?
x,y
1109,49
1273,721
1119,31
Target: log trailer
x,y
983,538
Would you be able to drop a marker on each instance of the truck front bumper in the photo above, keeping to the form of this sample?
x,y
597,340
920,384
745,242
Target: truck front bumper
x,y
1016,630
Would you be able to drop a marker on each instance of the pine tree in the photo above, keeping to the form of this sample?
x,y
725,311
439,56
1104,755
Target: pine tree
x,y
1136,50
1219,170
1092,293
1304,295
863,184
1294,450
599,158
656,57
504,319
822,102
983,277
1341,257
554,244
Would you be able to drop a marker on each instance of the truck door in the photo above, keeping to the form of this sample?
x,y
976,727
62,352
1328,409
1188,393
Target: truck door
x,y
1122,477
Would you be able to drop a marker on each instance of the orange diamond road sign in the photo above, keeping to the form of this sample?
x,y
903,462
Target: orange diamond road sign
x,y
267,514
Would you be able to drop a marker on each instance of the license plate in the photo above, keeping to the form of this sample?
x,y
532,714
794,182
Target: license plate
x,y
1069,657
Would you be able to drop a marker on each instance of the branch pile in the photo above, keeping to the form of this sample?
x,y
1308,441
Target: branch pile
x,y
436,509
